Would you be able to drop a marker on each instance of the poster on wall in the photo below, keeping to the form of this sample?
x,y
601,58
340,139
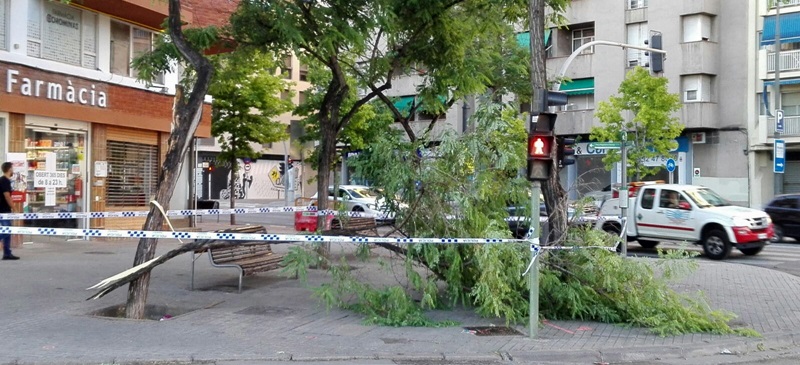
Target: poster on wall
x,y
19,181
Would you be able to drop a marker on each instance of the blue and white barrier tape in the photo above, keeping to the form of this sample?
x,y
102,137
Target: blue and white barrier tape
x,y
186,213
73,232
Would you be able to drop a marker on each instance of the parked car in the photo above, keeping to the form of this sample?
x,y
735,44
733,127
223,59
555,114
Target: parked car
x,y
785,213
357,198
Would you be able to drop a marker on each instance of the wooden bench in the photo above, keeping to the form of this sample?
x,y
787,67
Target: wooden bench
x,y
249,258
353,226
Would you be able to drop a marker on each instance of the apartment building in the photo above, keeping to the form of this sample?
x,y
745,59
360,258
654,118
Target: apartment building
x,y
770,84
82,132
261,178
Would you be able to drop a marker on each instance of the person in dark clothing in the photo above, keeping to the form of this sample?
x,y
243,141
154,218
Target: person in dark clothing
x,y
5,207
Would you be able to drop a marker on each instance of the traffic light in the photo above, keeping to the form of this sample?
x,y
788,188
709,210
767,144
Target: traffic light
x,y
564,151
656,59
282,168
543,98
540,147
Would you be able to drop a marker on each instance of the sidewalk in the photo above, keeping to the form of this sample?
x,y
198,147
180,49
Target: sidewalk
x,y
47,320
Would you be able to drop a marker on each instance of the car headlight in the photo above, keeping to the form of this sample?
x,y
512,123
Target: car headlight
x,y
741,222
769,220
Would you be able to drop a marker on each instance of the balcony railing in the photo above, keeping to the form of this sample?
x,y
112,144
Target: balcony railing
x,y
784,3
790,60
791,126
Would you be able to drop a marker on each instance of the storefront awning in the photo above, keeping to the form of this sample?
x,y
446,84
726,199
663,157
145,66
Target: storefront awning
x,y
578,87
790,29
524,39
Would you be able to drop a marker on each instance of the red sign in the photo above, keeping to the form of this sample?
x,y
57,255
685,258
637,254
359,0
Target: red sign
x,y
539,146
17,196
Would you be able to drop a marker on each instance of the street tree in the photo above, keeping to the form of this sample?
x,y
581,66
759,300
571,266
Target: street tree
x,y
644,112
187,111
374,40
246,97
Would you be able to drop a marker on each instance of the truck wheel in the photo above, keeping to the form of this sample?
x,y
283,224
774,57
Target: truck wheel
x,y
612,229
751,251
648,243
716,245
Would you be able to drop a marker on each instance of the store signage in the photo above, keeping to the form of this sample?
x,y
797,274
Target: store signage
x,y
49,179
82,94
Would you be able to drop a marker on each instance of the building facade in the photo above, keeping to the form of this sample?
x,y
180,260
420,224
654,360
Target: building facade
x,y
83,133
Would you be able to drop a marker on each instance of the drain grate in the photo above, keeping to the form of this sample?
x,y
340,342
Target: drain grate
x,y
493,331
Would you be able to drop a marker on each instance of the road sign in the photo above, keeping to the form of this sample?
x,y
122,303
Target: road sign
x,y
670,165
779,121
605,145
780,156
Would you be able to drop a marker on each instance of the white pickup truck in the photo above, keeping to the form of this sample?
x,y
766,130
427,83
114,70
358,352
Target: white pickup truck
x,y
669,212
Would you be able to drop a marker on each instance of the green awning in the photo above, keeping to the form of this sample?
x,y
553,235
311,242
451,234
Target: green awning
x,y
578,87
524,39
404,103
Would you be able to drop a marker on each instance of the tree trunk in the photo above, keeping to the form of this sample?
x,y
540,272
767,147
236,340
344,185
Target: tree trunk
x,y
185,119
554,197
232,183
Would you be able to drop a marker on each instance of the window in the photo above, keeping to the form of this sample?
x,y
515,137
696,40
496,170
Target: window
x,y
60,33
697,88
3,24
303,72
286,95
638,34
637,4
790,103
579,102
696,28
581,37
648,198
672,199
127,43
132,173
287,68
303,97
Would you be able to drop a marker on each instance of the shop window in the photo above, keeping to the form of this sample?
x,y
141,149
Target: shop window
x,y
54,150
132,173
61,33
127,43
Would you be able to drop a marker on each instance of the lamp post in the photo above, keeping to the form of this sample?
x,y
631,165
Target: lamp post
x,y
778,177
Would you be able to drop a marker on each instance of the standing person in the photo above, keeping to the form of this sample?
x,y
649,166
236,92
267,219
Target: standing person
x,y
5,207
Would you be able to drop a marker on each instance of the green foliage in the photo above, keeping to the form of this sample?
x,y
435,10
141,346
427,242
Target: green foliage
x,y
163,57
652,128
246,96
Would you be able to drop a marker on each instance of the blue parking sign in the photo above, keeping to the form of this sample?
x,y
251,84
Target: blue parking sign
x,y
671,165
779,152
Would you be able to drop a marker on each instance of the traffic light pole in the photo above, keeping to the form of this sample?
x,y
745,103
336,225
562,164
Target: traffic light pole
x,y
577,52
533,276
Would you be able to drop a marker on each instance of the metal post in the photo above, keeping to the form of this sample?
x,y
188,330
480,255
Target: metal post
x,y
778,187
533,276
623,195
286,177
464,116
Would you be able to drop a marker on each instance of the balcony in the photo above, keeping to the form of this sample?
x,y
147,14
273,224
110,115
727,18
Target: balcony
x,y
791,126
790,60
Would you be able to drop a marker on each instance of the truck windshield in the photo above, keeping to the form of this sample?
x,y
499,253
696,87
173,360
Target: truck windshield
x,y
706,198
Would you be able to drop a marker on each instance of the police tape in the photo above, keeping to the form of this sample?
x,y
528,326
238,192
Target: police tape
x,y
265,237
188,213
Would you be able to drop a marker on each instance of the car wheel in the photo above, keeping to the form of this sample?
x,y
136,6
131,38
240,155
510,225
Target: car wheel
x,y
648,243
358,209
778,236
612,229
716,245
751,251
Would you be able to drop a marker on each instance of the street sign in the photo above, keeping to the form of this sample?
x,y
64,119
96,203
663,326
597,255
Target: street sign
x,y
605,145
779,121
780,156
670,165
